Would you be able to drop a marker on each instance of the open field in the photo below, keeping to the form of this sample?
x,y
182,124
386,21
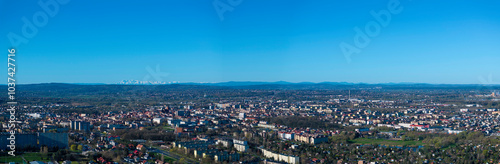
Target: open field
x,y
27,156
168,128
7,159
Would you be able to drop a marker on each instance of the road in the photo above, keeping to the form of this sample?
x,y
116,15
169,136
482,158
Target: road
x,y
24,159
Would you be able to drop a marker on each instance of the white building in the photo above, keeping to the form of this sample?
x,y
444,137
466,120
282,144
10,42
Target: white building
x,y
280,157
157,120
242,116
405,125
454,131
241,146
224,142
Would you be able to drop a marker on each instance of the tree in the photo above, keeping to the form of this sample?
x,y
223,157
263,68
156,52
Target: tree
x,y
80,147
73,147
44,149
303,158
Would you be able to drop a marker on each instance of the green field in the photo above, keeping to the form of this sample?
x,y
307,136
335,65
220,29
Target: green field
x,y
27,156
168,128
167,159
7,159
367,141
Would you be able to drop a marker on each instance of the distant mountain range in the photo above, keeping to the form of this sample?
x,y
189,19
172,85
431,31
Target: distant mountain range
x,y
248,83
257,83
279,85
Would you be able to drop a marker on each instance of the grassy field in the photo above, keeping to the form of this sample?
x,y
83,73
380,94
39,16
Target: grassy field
x,y
367,141
27,156
167,159
168,128
7,159
37,157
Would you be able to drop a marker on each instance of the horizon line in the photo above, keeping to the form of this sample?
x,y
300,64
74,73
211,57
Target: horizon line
x,y
270,82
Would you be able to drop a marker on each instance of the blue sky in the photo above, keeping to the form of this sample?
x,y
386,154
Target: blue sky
x,y
456,42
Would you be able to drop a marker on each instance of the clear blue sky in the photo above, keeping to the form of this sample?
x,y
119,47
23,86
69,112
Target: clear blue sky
x,y
94,41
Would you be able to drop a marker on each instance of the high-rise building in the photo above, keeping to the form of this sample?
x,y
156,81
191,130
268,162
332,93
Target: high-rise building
x,y
82,126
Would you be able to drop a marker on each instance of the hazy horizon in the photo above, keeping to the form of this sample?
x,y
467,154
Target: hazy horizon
x,y
264,82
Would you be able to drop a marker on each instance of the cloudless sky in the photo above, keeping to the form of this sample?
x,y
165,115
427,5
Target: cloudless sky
x,y
91,41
